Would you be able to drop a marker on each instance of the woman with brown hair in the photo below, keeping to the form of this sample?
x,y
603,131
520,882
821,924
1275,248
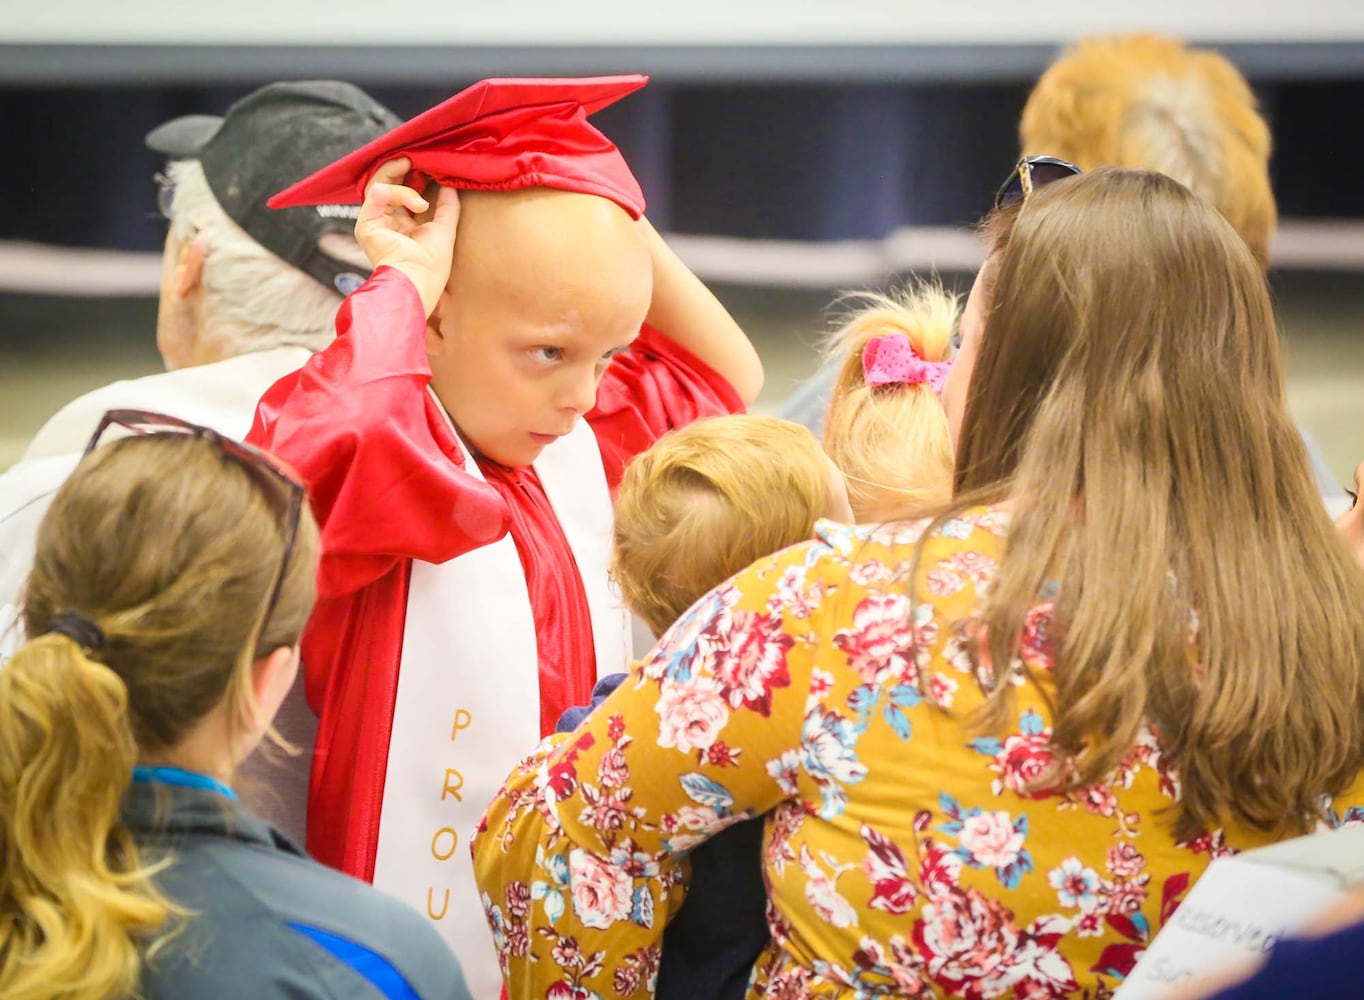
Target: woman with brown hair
x,y
172,578
994,749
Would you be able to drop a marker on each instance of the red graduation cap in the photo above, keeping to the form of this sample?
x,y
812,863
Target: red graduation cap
x,y
498,135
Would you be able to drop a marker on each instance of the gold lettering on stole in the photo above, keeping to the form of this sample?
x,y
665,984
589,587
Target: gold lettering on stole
x,y
454,781
435,844
431,907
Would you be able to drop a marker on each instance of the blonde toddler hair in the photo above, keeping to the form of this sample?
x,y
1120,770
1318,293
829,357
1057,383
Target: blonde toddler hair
x,y
892,442
708,500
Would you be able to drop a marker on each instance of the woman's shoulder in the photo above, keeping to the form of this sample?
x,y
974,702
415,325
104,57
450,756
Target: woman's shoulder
x,y
283,914
978,529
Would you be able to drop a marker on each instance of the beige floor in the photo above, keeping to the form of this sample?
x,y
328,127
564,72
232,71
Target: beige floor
x,y
54,349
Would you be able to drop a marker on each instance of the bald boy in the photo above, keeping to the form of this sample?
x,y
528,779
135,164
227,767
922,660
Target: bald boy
x,y
461,440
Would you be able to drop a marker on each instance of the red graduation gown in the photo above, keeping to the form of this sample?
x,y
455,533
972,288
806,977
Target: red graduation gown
x,y
384,474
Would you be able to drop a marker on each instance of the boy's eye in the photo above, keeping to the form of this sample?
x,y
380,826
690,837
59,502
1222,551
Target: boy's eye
x,y
550,353
1354,498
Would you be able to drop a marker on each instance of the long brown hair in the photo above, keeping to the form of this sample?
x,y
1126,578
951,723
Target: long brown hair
x,y
171,549
1128,399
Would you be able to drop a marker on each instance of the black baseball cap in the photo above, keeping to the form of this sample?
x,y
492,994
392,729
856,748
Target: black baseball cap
x,y
270,139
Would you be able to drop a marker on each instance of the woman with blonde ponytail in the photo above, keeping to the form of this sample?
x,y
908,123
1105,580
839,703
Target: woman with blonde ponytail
x,y
172,579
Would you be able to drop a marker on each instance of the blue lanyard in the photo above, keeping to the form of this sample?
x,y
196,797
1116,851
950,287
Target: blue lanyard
x,y
182,779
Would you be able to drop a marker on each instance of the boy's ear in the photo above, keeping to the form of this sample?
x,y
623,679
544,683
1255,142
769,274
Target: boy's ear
x,y
435,340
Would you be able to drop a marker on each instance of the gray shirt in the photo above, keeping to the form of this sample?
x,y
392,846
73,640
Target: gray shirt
x,y
269,922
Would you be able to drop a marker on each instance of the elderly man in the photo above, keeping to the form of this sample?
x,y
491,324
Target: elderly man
x,y
247,295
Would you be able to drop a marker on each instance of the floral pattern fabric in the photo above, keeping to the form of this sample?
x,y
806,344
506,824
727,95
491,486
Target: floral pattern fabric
x,y
905,854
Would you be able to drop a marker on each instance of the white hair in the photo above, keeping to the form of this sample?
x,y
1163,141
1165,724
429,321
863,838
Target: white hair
x,y
253,300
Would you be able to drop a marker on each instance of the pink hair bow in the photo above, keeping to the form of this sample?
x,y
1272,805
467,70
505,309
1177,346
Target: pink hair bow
x,y
891,360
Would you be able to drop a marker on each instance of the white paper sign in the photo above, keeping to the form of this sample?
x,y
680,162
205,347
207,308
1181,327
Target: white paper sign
x,y
1242,905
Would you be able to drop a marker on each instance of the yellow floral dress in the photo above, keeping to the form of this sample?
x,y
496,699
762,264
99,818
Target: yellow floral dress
x,y
903,854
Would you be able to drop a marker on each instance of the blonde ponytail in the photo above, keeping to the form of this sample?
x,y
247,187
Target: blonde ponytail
x,y
75,899
892,442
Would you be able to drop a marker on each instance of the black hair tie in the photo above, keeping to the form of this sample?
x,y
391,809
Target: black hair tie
x,y
79,629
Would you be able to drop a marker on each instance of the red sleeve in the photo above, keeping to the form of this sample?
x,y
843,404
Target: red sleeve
x,y
647,391
384,472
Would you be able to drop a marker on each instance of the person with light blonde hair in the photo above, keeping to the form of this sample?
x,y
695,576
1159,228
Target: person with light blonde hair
x,y
707,499
885,428
1154,103
993,748
696,507
173,576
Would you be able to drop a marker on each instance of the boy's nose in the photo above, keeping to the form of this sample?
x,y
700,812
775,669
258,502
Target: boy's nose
x,y
580,395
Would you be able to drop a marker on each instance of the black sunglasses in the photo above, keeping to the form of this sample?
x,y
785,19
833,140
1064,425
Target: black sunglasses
x,y
1031,173
281,488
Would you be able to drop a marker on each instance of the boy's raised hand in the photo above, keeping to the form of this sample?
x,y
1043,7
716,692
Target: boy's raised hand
x,y
399,228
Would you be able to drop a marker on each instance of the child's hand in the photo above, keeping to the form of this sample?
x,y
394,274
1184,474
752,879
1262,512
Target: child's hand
x,y
397,228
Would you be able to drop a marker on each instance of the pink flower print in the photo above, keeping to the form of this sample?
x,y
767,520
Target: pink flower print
x,y
886,870
605,815
612,771
1127,897
1090,924
690,715
1075,885
902,965
944,582
1023,761
821,682
721,754
750,661
870,572
968,942
880,636
821,892
939,868
975,566
562,776
896,533
786,823
566,953
785,770
1100,800
1035,645
601,893
565,991
1124,860
794,598
991,839
941,689
518,900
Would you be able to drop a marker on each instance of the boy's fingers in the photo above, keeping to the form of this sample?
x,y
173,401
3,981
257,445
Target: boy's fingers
x,y
391,172
447,207
381,197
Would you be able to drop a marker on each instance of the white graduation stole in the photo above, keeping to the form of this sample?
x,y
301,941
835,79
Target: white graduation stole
x,y
468,701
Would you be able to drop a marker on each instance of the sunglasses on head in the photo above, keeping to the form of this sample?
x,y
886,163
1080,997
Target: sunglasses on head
x,y
280,487
1031,173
